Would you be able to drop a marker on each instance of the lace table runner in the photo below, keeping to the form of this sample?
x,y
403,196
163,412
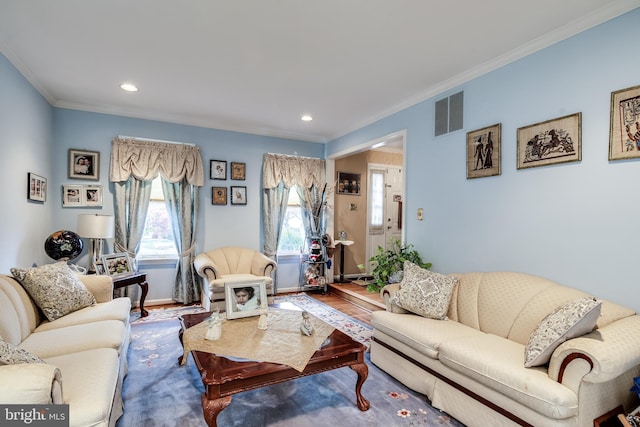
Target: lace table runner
x,y
281,342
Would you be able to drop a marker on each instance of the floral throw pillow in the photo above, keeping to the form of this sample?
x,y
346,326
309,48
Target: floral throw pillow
x,y
424,292
55,288
573,319
12,355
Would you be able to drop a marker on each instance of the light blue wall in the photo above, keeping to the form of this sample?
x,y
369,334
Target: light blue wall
x,y
26,129
219,225
574,223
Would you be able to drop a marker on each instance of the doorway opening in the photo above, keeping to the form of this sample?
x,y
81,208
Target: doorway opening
x,y
371,217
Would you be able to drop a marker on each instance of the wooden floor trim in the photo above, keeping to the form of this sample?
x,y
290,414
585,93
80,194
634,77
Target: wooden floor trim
x,y
358,295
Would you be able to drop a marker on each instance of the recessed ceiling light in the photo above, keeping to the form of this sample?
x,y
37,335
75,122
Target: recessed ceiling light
x,y
129,87
306,118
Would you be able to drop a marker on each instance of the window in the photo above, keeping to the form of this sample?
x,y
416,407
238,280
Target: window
x,y
157,240
292,235
376,202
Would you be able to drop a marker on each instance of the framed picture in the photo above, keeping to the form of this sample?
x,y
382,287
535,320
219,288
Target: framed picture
x,y
349,183
238,171
92,195
71,195
245,299
36,187
99,266
484,151
116,265
84,164
218,195
624,135
238,195
218,169
551,142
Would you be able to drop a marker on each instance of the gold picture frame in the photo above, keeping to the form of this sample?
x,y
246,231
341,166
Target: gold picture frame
x,y
484,151
624,130
218,195
255,301
550,142
238,171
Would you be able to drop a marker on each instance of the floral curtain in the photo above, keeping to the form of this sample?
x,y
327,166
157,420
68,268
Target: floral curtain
x,y
144,159
134,164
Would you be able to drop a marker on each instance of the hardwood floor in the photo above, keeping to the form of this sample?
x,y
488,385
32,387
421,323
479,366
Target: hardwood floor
x,y
349,298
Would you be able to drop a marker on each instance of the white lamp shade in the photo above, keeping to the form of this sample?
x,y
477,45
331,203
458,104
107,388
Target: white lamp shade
x,y
95,226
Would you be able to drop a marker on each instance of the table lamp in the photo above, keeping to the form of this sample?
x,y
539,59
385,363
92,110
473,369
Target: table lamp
x,y
96,228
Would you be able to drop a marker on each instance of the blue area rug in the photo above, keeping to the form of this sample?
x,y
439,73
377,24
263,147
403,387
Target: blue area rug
x,y
157,392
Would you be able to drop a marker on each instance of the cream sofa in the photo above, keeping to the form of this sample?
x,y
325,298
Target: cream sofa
x,y
231,264
472,365
85,353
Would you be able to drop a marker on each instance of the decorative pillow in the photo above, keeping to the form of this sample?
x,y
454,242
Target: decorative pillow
x,y
55,288
573,319
12,355
424,292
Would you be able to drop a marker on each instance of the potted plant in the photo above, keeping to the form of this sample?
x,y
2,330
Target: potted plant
x,y
389,263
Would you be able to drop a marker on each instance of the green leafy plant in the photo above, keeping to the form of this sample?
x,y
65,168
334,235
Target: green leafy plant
x,y
388,262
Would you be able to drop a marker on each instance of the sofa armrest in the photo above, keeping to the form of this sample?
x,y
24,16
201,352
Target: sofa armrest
x,y
205,267
100,286
386,293
36,383
608,352
262,265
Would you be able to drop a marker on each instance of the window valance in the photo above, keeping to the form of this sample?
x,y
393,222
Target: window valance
x,y
144,159
292,170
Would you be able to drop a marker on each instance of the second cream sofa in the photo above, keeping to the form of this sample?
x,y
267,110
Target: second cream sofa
x,y
472,365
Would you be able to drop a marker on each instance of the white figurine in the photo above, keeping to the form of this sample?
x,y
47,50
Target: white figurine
x,y
214,327
262,322
305,327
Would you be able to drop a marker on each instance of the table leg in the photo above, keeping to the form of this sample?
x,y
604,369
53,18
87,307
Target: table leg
x,y
144,286
363,371
211,408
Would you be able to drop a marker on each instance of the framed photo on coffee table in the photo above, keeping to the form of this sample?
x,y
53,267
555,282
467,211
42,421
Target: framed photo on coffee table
x,y
245,299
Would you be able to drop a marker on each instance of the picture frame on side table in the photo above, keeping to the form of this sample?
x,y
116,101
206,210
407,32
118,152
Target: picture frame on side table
x,y
484,151
550,142
624,133
84,164
118,264
36,187
245,299
238,195
218,195
218,169
238,171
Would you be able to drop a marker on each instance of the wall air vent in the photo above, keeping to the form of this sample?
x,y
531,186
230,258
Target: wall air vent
x,y
449,114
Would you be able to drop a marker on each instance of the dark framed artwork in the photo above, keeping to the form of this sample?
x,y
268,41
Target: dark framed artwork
x,y
218,195
238,171
36,187
218,169
84,164
484,151
238,195
624,135
349,183
550,142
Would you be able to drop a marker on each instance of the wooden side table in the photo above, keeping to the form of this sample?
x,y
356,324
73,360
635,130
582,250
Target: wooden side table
x,y
134,279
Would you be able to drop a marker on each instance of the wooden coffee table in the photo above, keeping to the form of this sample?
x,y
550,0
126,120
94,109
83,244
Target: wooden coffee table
x,y
222,378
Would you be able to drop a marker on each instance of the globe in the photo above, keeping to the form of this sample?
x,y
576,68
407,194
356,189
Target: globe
x,y
63,245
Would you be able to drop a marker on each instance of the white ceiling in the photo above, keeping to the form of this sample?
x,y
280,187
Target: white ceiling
x,y
256,66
